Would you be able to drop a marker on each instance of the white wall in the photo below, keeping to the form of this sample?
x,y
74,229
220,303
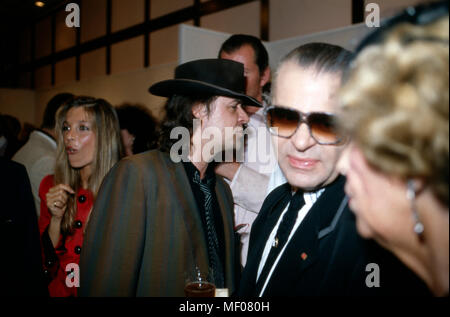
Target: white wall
x,y
19,103
198,42
28,105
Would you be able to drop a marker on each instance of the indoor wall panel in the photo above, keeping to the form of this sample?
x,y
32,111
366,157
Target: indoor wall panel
x,y
65,71
43,37
289,18
92,19
244,18
93,64
127,55
65,37
126,13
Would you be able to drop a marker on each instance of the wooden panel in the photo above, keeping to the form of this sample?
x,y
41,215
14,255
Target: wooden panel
x,y
164,45
93,64
65,36
289,18
43,77
240,19
19,103
126,14
43,38
65,71
25,45
162,7
92,19
127,55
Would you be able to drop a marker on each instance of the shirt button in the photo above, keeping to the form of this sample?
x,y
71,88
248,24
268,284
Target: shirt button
x,y
77,249
78,224
81,198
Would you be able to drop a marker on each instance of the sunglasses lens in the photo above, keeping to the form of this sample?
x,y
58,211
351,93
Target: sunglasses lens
x,y
324,128
282,122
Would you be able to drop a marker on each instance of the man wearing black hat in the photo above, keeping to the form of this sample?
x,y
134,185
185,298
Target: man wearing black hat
x,y
160,214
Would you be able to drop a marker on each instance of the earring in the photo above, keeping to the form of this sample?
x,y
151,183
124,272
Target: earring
x,y
411,196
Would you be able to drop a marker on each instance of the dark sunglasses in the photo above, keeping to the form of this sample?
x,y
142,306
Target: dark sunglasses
x,y
284,122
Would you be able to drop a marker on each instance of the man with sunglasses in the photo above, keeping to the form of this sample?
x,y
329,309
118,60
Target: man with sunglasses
x,y
304,240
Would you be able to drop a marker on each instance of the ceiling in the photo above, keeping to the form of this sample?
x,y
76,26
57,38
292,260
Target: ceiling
x,y
17,13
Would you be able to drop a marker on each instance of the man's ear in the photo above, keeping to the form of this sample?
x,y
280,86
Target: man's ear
x,y
265,76
199,111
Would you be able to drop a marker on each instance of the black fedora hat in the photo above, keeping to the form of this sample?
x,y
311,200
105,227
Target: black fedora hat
x,y
219,77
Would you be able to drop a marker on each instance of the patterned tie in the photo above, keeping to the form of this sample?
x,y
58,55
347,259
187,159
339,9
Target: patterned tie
x,y
213,243
285,228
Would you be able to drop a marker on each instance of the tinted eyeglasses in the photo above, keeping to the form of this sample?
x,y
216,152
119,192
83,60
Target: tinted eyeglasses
x,y
284,122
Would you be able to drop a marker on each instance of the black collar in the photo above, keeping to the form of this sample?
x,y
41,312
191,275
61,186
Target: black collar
x,y
190,169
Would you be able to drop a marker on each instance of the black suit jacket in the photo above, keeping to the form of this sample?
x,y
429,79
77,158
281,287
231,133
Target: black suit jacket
x,y
326,256
21,265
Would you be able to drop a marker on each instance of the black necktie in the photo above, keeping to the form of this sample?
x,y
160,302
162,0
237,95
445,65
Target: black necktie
x,y
213,243
284,229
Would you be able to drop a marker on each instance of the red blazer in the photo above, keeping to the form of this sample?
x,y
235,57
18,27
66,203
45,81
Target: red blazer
x,y
68,249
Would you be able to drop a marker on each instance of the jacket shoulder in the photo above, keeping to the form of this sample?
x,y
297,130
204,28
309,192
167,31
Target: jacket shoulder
x,y
273,197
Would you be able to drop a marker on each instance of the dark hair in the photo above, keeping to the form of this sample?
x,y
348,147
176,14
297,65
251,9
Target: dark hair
x,y
10,128
139,122
48,121
179,114
323,57
235,42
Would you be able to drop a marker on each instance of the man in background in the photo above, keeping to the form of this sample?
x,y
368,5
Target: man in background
x,y
39,153
248,180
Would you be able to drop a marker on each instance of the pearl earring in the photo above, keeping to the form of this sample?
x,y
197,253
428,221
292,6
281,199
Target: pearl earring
x,y
411,196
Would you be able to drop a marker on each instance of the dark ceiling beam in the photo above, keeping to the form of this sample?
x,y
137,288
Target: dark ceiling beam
x,y
196,14
357,11
264,20
147,8
53,47
77,45
108,35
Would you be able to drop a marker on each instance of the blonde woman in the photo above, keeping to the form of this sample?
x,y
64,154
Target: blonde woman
x,y
89,145
395,105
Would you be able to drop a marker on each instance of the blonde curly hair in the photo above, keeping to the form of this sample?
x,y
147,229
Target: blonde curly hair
x,y
395,104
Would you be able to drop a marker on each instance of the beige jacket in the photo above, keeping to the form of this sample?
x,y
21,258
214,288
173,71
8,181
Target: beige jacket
x,y
38,156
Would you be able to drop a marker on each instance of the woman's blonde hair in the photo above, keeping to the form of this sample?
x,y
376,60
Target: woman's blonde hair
x,y
395,104
108,151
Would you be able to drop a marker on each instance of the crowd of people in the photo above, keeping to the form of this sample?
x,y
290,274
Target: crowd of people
x,y
107,201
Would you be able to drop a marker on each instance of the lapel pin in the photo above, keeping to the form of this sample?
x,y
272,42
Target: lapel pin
x,y
304,256
275,242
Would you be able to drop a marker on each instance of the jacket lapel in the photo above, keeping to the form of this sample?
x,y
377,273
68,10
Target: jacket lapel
x,y
226,210
303,249
189,211
261,229
268,217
